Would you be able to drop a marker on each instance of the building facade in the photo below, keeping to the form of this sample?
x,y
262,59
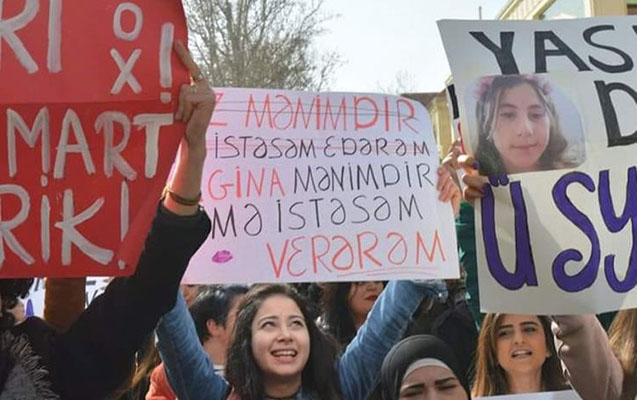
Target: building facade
x,y
560,9
436,104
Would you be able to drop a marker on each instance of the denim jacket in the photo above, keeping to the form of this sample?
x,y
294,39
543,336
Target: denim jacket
x,y
192,376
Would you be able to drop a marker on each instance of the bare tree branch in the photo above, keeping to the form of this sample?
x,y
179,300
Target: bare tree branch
x,y
260,43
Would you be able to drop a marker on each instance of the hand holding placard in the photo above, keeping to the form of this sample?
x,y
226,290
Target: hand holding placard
x,y
559,237
92,101
196,104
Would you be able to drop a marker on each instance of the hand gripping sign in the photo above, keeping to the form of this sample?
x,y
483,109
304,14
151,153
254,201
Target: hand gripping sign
x,y
558,235
87,137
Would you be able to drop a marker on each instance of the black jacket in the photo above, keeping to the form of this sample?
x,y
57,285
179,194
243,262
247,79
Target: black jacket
x,y
94,357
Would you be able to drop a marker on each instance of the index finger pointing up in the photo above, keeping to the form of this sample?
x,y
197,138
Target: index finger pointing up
x,y
186,60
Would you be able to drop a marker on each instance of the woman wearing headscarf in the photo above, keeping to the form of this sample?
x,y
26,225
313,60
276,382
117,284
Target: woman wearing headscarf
x,y
422,367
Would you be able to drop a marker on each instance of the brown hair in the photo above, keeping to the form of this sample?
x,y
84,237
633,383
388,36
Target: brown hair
x,y
623,338
490,379
337,316
138,380
487,106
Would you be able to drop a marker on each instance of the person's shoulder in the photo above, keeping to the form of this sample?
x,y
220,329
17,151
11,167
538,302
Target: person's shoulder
x,y
40,335
34,327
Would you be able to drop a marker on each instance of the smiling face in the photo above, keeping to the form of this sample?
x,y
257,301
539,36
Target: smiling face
x,y
520,344
361,299
521,128
432,383
280,340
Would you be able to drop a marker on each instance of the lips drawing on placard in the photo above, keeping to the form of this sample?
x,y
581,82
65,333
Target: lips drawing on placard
x,y
221,257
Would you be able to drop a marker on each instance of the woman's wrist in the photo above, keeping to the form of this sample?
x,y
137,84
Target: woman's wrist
x,y
186,181
179,208
193,153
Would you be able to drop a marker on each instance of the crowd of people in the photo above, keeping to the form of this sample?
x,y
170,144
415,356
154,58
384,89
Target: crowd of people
x,y
361,340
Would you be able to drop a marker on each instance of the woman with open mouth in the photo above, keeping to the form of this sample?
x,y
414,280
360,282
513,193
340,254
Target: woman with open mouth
x,y
278,351
516,354
598,365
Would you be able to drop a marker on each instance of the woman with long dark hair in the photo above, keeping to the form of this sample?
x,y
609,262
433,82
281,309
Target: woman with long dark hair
x,y
255,347
279,352
346,305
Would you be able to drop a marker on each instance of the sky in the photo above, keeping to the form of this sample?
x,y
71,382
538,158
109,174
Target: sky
x,y
381,41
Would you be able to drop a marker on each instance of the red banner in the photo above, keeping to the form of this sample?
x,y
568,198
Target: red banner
x,y
87,95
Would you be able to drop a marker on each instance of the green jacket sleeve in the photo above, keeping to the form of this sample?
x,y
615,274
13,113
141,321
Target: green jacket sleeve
x,y
465,229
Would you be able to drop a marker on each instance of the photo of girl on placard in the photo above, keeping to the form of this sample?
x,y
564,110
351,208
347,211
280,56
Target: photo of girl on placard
x,y
523,124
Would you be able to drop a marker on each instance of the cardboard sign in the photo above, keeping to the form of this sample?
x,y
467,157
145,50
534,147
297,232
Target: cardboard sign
x,y
551,105
87,136
322,187
563,395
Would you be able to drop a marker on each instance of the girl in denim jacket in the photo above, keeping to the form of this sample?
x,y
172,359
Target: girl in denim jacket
x,y
278,352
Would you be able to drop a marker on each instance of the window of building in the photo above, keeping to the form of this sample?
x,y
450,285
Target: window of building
x,y
563,9
632,7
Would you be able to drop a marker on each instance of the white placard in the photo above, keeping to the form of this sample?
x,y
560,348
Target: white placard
x,y
34,302
557,236
307,186
563,395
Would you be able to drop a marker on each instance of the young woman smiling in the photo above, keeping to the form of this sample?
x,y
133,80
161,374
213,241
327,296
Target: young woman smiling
x,y
278,352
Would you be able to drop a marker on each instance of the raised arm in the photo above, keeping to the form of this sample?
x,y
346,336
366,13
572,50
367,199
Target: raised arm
x,y
588,360
196,104
95,356
188,368
359,366
64,301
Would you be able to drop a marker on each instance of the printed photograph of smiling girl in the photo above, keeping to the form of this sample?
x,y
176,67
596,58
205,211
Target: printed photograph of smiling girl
x,y
523,124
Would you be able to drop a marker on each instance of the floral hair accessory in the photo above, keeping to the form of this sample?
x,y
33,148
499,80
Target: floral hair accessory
x,y
541,83
485,82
